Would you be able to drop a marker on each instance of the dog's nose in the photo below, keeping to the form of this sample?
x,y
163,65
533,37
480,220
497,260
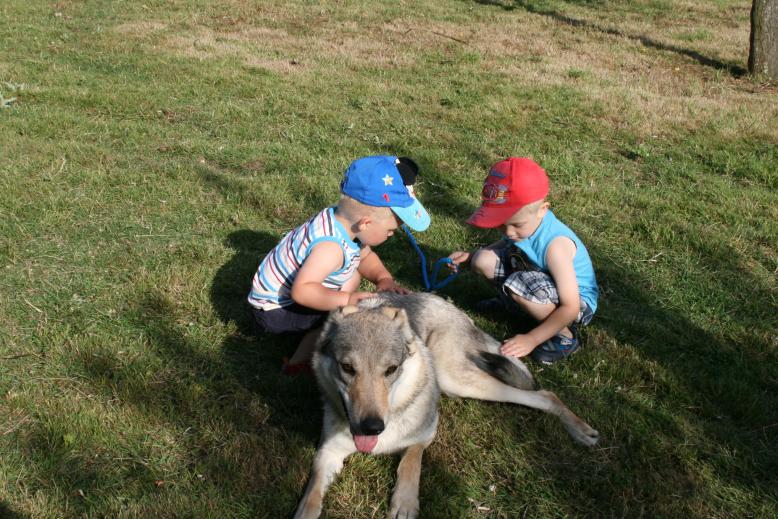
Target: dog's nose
x,y
371,426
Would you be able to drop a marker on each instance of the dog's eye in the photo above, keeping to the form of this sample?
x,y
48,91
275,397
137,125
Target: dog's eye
x,y
347,368
390,370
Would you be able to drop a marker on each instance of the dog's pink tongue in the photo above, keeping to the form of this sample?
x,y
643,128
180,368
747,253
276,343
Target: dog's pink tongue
x,y
365,443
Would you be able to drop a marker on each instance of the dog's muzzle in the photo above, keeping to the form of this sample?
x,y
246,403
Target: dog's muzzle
x,y
371,426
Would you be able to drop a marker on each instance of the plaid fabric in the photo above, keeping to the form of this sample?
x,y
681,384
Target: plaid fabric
x,y
516,274
509,260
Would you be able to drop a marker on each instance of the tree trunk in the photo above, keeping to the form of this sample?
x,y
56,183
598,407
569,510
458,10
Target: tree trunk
x,y
763,56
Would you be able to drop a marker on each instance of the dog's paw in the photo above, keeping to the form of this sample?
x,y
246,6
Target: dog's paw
x,y
404,508
581,431
585,434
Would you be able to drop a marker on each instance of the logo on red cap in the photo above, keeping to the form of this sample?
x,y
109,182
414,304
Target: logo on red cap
x,y
511,184
494,193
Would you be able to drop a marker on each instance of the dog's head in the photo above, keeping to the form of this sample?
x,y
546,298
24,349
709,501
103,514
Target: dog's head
x,y
361,358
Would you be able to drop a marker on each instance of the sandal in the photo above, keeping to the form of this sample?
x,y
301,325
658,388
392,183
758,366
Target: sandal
x,y
556,348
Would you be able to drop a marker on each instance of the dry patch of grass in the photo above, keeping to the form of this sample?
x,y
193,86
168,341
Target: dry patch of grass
x,y
647,91
639,72
277,49
140,29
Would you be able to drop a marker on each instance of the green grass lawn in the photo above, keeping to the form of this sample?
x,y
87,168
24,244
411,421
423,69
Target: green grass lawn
x,y
151,153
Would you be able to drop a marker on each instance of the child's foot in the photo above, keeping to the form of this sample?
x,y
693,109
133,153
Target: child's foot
x,y
556,348
292,370
493,304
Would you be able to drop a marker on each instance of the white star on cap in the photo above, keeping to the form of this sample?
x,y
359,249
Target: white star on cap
x,y
388,180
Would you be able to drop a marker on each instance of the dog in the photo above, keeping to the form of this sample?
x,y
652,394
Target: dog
x,y
381,367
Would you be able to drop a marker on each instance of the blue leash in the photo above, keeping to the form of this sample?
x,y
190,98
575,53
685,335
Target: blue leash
x,y
435,284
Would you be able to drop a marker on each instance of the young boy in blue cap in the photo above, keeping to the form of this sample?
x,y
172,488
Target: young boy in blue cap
x,y
318,266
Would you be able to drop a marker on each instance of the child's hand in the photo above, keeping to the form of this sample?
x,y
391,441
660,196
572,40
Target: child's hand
x,y
356,297
518,346
456,258
389,285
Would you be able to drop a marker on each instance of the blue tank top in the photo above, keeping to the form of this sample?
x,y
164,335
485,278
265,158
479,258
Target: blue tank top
x,y
272,284
535,248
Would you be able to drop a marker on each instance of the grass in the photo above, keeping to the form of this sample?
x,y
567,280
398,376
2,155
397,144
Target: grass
x,y
153,152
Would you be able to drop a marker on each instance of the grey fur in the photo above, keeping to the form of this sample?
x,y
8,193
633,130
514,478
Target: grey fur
x,y
381,367
502,369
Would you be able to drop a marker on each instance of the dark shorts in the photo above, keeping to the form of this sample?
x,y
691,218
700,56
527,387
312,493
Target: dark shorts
x,y
288,319
516,274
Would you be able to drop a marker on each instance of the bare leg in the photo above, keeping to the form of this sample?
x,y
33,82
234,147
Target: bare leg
x,y
539,311
484,261
405,500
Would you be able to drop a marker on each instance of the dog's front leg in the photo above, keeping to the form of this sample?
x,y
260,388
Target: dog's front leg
x,y
326,465
405,500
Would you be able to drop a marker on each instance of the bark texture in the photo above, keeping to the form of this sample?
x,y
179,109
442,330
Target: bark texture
x,y
763,55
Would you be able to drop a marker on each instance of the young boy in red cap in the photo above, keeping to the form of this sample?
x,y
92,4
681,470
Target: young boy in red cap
x,y
318,266
540,265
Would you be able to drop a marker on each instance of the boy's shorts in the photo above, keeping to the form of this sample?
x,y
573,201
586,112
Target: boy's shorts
x,y
516,274
288,319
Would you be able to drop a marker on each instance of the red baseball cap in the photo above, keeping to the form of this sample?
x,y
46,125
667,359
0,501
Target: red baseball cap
x,y
512,183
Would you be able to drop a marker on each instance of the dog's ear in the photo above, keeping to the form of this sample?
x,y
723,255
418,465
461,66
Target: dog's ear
x,y
399,316
337,315
333,321
348,310
392,312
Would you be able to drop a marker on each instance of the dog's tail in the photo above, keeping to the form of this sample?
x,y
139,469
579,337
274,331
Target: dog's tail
x,y
503,369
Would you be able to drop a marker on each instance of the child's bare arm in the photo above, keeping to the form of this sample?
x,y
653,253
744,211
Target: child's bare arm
x,y
461,256
559,259
372,268
307,289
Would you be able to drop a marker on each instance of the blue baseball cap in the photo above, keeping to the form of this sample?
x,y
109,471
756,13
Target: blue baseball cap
x,y
377,181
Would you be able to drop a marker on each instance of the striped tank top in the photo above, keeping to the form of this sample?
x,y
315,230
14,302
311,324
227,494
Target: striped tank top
x,y
272,284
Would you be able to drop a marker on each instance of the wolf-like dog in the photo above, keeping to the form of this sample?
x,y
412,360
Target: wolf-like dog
x,y
381,366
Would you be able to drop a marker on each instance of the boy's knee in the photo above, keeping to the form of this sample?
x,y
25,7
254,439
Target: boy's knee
x,y
484,262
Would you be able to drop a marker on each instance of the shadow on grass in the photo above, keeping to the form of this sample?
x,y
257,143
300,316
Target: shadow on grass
x,y
684,396
7,513
682,402
232,282
732,68
243,426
